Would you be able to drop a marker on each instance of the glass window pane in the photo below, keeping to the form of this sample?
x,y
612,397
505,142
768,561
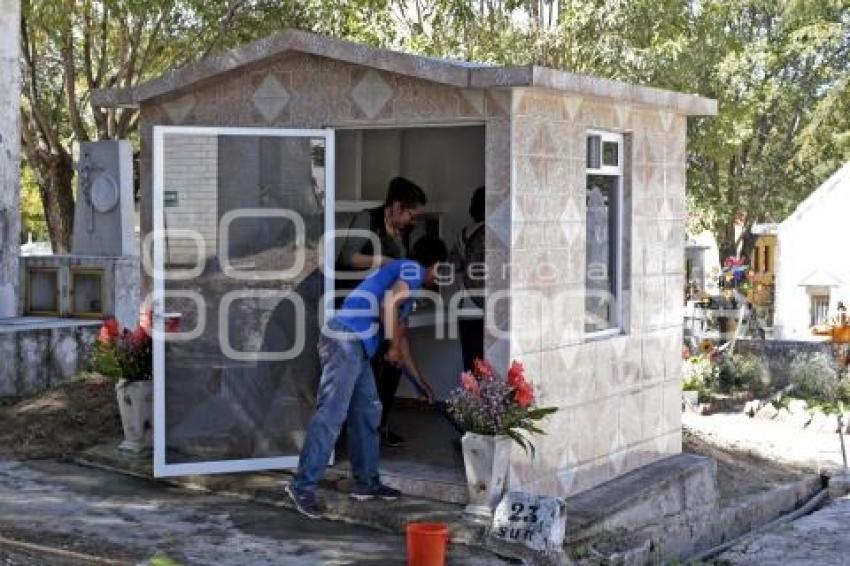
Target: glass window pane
x,y
256,205
594,152
610,154
601,252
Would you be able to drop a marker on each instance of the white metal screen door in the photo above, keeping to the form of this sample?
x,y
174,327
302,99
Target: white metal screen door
x,y
239,219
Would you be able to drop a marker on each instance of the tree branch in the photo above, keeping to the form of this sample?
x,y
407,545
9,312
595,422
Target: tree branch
x,y
70,79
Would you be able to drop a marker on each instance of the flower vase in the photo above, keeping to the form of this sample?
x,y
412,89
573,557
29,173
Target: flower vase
x,y
487,461
135,404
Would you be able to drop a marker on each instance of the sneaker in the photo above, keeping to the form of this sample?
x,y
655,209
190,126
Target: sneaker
x,y
391,439
379,491
305,503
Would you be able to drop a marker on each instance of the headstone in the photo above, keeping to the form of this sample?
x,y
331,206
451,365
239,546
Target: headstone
x,y
536,521
103,215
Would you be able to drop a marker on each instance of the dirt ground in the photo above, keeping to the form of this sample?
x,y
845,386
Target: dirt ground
x,y
739,473
61,422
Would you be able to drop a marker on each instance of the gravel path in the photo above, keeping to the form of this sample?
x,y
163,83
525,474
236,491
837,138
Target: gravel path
x,y
769,439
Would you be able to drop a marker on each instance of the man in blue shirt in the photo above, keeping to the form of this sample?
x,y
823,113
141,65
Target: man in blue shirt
x,y
376,309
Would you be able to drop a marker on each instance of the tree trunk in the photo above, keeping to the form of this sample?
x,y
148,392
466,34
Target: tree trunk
x,y
726,241
55,178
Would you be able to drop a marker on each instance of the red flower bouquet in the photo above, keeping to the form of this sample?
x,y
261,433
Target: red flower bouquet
x,y
490,405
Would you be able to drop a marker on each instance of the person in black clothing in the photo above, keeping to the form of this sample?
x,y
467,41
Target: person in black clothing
x,y
391,223
468,258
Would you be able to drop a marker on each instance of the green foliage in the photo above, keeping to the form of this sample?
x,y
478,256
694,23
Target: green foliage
x,y
120,353
699,373
779,68
162,560
32,211
813,376
739,371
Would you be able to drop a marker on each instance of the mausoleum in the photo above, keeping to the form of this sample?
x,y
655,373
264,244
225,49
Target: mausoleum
x,y
249,159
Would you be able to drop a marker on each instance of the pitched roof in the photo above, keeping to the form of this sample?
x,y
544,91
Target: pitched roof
x,y
820,278
460,74
837,180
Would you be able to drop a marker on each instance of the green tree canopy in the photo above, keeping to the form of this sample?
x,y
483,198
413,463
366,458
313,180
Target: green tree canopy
x,y
779,68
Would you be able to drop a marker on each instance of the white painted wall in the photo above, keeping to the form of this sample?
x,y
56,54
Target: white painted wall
x,y
812,248
191,170
448,163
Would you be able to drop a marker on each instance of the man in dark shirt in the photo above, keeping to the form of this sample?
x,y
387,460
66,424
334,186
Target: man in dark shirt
x,y
391,224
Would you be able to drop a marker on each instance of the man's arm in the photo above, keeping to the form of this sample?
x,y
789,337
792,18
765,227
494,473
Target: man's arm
x,y
399,352
350,251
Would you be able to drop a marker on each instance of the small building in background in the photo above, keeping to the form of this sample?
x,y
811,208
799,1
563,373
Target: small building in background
x,y
812,273
763,272
702,265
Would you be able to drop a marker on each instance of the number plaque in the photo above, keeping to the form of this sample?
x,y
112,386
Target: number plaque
x,y
537,521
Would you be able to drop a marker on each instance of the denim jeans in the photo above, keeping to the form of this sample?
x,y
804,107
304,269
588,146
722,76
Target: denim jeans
x,y
346,392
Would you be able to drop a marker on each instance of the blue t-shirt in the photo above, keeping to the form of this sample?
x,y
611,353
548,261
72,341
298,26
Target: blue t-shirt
x,y
361,311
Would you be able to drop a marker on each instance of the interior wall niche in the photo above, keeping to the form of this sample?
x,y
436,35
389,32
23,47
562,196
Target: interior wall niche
x,y
42,291
87,293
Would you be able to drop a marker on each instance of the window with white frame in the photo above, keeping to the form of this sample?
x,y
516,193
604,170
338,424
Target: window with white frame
x,y
819,306
604,249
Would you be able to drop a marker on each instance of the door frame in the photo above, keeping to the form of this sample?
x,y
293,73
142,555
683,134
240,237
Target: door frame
x,y
160,467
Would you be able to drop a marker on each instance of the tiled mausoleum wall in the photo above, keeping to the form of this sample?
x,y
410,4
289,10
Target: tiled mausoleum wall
x,y
305,91
619,397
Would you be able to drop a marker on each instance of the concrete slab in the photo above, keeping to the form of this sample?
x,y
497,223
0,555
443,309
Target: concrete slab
x,y
670,502
819,538
130,520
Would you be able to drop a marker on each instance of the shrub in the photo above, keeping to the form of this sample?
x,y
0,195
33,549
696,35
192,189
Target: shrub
x,y
739,371
698,373
813,376
842,392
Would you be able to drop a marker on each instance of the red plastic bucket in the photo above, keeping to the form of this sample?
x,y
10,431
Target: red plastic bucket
x,y
426,544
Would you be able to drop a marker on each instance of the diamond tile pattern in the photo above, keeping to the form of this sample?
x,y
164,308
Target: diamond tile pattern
x,y
270,98
372,93
178,110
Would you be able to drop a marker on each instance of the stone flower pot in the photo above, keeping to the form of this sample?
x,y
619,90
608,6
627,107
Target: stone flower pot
x,y
135,403
487,461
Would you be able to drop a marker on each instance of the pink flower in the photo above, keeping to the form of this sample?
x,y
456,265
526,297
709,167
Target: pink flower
x,y
469,382
732,261
482,368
